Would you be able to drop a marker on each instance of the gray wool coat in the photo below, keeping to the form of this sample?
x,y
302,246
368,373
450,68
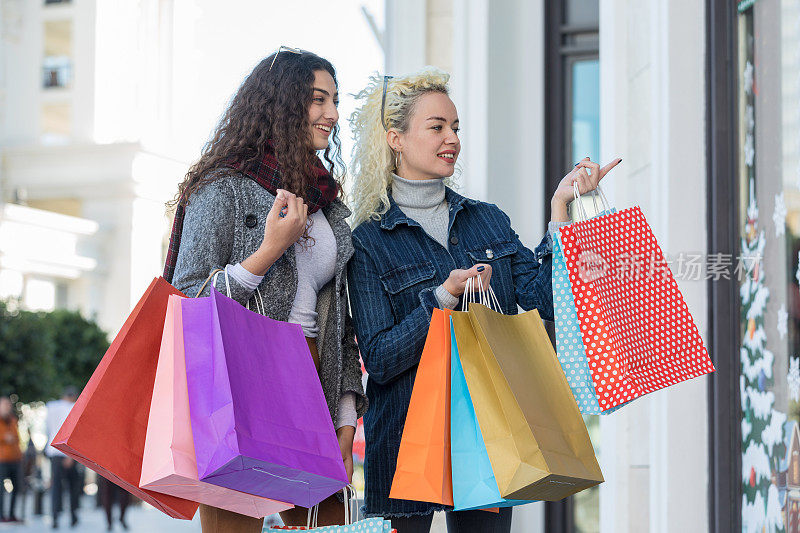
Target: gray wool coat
x,y
224,224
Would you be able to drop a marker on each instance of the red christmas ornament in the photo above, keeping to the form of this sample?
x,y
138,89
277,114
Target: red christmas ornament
x,y
752,477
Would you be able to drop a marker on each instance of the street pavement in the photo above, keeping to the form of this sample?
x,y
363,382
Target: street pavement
x,y
140,519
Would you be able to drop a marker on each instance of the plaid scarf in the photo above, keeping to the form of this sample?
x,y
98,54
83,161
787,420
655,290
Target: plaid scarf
x,y
265,172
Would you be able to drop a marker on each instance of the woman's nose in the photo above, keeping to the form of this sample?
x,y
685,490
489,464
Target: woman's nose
x,y
332,113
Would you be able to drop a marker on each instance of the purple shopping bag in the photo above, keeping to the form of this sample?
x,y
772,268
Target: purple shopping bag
x,y
259,418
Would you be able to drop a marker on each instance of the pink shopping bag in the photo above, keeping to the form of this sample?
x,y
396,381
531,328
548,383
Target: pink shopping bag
x,y
637,330
169,464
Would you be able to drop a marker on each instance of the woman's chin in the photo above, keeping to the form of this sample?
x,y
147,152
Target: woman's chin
x,y
447,172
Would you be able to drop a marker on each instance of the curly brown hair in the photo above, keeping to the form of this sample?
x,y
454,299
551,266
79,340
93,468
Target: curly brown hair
x,y
271,104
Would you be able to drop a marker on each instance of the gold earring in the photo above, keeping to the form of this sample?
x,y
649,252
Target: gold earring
x,y
397,158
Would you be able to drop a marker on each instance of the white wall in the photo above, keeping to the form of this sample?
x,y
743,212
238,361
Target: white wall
x,y
652,63
498,88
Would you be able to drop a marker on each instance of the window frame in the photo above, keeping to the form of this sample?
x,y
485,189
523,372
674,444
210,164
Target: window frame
x,y
724,340
559,516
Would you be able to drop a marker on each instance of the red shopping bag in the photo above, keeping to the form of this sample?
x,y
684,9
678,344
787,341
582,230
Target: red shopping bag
x,y
637,330
106,428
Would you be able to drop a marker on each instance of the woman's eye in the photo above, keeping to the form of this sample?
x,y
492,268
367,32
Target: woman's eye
x,y
319,99
456,130
437,128
336,103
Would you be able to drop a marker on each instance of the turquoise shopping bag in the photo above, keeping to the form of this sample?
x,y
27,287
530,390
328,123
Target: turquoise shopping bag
x,y
474,484
569,341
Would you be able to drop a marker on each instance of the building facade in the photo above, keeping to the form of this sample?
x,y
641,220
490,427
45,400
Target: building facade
x,y
83,152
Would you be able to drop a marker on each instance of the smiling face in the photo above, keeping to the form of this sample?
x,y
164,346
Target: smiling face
x,y
430,146
322,112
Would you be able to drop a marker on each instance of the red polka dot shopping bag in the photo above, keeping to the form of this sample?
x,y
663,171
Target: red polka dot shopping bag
x,y
637,330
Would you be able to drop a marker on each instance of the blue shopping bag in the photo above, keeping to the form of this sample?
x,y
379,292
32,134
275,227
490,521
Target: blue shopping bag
x,y
474,484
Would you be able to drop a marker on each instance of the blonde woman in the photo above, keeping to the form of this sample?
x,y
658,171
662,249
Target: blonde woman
x,y
417,242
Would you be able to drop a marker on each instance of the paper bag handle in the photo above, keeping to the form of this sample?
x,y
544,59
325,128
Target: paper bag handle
x,y
349,503
576,193
214,273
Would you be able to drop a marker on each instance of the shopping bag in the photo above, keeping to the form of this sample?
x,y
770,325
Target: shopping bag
x,y
259,418
169,464
474,484
569,341
534,434
351,522
423,461
368,525
106,428
637,330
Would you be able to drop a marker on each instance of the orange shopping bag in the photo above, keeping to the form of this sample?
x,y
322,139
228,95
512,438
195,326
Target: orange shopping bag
x,y
423,470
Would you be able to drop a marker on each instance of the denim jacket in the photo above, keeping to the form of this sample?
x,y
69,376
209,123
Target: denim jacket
x,y
392,277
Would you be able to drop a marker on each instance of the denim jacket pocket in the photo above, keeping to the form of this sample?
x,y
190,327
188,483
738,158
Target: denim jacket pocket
x,y
492,252
498,255
404,283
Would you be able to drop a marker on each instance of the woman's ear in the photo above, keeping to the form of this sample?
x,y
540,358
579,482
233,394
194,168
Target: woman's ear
x,y
393,138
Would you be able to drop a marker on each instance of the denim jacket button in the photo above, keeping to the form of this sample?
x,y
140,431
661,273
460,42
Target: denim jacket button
x,y
453,240
489,253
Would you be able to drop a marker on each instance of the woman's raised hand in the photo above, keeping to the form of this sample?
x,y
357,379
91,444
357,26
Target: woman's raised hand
x,y
286,222
587,174
456,283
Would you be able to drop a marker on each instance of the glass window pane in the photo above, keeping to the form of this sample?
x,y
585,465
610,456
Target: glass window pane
x,y
585,141
586,109
57,62
769,185
582,12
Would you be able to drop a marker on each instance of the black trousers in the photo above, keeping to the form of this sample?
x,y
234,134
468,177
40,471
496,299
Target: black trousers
x,y
10,470
68,477
109,493
458,522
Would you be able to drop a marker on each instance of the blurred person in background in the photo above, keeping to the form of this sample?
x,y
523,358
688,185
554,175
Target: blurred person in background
x,y
10,458
417,243
262,205
64,471
109,493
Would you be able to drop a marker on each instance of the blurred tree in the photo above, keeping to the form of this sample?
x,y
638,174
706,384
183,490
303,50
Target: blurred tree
x,y
79,346
43,352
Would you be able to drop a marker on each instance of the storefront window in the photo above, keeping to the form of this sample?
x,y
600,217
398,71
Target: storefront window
x,y
573,125
769,212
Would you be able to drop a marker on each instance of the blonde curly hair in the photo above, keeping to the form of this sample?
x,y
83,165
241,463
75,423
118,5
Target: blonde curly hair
x,y
373,158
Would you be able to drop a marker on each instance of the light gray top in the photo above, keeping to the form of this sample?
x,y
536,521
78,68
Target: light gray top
x,y
316,262
423,200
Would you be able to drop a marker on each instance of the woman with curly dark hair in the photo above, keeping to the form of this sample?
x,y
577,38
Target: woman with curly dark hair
x,y
261,206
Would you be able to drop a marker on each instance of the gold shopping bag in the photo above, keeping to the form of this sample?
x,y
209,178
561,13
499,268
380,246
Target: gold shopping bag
x,y
535,436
